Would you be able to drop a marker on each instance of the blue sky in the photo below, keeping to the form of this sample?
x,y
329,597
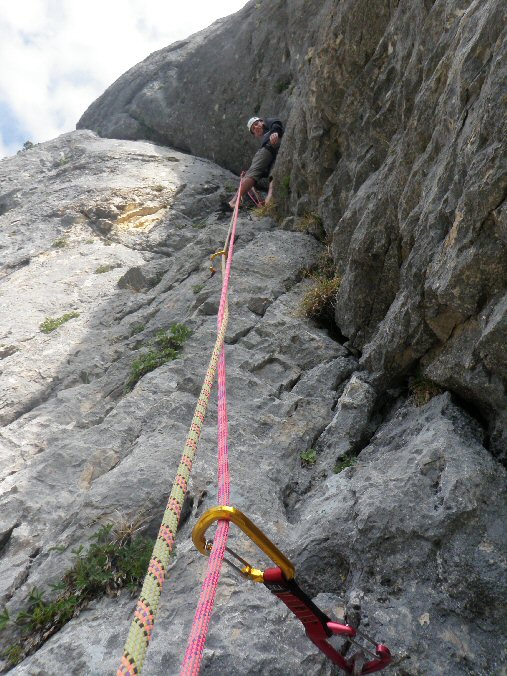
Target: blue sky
x,y
57,57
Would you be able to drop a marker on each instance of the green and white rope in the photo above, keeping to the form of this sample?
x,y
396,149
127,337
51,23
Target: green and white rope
x,y
141,628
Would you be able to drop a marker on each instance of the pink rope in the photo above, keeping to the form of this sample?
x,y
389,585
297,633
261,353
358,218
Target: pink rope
x,y
197,639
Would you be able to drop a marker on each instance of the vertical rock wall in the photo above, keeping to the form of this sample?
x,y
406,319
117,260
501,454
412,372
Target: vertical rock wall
x,y
395,137
395,144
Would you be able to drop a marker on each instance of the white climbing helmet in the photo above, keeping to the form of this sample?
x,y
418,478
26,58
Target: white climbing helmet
x,y
251,121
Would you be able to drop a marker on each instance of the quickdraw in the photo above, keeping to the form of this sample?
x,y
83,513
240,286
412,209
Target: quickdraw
x,y
280,582
216,260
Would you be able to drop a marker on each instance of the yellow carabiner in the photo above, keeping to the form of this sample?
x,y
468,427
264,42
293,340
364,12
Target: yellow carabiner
x,y
212,267
251,530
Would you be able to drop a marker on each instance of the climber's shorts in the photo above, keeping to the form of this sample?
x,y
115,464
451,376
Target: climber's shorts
x,y
261,164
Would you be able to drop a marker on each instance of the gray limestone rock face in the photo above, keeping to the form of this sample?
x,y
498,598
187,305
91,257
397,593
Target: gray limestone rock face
x,y
407,541
349,428
417,519
194,94
395,136
79,450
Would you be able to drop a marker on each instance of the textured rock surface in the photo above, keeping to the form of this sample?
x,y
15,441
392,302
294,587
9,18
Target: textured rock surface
x,y
425,496
396,133
408,539
395,137
76,450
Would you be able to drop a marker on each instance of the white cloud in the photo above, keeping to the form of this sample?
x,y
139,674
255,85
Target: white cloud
x,y
56,57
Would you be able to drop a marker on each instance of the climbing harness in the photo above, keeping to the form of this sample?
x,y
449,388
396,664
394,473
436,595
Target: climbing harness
x,y
280,582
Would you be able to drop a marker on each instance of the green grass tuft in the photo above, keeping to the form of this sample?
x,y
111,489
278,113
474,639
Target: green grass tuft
x,y
311,223
344,462
165,347
423,389
308,457
117,558
267,210
60,243
137,328
318,303
52,323
107,268
285,186
4,618
282,85
14,654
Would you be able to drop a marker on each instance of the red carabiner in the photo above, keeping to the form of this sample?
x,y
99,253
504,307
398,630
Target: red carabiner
x,y
318,626
280,582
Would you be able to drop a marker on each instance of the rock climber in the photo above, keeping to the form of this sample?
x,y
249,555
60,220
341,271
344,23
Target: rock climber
x,y
270,130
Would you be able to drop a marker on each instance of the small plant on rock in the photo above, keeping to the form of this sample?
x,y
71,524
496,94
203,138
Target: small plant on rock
x,y
52,323
4,618
423,389
282,85
319,301
266,210
106,268
197,288
308,457
137,328
117,557
324,267
344,462
285,186
60,243
14,654
156,279
311,223
165,347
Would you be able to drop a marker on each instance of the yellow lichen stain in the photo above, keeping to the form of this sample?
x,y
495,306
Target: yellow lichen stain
x,y
486,547
235,634
489,548
444,323
339,611
140,217
424,620
85,480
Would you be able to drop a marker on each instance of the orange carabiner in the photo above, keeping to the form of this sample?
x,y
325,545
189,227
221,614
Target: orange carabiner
x,y
214,267
250,529
281,583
